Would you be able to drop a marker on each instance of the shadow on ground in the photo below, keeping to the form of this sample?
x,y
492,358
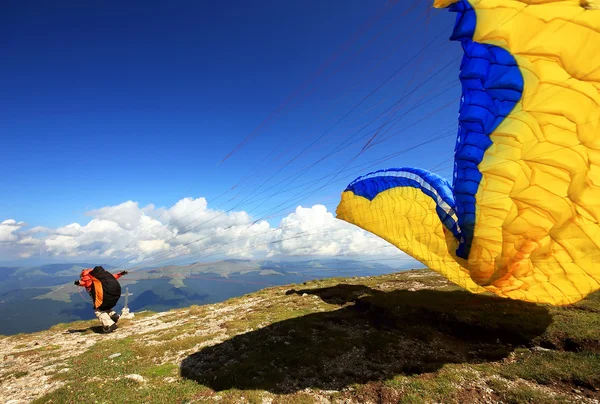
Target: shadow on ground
x,y
95,329
373,336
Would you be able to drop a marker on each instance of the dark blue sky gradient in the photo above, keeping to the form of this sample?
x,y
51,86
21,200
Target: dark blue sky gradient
x,y
103,102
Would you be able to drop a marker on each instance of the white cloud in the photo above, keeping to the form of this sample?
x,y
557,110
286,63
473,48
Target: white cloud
x,y
126,215
9,229
191,229
151,246
29,241
62,245
73,229
315,231
39,229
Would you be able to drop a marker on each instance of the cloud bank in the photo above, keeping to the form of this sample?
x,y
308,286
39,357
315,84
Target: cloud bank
x,y
130,235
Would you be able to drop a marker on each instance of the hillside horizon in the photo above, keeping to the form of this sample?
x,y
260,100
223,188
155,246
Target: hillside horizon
x,y
35,298
404,337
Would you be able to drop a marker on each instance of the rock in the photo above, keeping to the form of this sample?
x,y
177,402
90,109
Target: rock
x,y
304,295
65,370
115,355
412,290
136,378
540,349
287,342
170,379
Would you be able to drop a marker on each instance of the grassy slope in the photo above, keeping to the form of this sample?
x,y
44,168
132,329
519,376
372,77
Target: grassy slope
x,y
408,337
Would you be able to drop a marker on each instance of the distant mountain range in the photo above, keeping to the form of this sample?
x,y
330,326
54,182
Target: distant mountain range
x,y
36,297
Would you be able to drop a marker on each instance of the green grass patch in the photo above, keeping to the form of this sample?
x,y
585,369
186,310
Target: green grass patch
x,y
144,314
124,391
579,369
440,386
169,335
164,370
196,310
575,329
36,351
519,393
172,317
158,350
271,314
8,375
101,379
62,327
435,389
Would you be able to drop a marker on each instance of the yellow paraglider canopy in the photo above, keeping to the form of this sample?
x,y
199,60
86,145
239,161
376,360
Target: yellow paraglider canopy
x,y
521,216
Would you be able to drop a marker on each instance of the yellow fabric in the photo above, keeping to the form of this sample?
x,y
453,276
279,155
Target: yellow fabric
x,y
537,234
538,202
406,217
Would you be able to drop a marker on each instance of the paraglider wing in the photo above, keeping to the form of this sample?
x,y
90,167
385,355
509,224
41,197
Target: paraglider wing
x,y
413,209
521,217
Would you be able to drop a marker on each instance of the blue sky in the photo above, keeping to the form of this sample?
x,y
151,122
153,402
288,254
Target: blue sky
x,y
105,102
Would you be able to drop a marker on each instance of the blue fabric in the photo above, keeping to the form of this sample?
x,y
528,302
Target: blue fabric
x,y
373,184
492,85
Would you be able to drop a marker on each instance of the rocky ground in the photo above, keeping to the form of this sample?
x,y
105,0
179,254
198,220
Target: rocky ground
x,y
408,337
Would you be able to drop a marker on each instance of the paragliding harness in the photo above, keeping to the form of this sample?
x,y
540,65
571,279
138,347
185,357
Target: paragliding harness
x,y
102,286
